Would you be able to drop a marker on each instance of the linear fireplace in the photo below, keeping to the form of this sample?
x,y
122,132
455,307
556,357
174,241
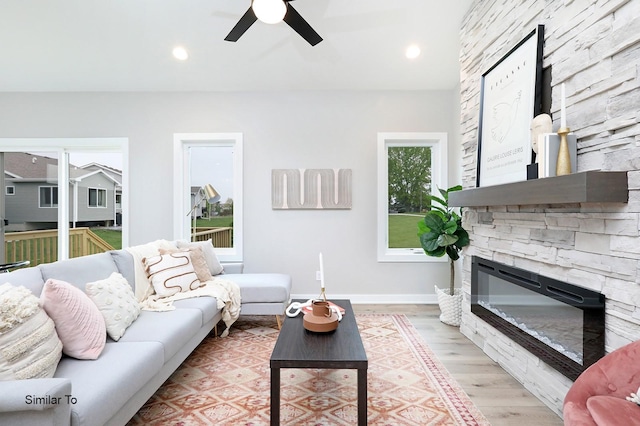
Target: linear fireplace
x,y
560,323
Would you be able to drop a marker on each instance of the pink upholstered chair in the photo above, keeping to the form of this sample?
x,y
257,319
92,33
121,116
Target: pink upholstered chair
x,y
598,396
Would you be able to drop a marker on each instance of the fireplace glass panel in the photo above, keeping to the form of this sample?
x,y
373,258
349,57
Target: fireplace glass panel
x,y
558,322
554,323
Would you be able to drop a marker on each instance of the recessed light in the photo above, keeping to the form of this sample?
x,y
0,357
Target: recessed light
x,y
180,53
413,51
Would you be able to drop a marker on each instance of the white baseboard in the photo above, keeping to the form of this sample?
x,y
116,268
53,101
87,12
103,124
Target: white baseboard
x,y
378,299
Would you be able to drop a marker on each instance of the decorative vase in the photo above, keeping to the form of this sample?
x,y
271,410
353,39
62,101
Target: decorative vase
x,y
450,306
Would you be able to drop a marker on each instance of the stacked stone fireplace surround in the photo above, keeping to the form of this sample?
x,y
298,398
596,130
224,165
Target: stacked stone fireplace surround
x,y
593,46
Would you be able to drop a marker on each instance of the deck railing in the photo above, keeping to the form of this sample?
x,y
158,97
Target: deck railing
x,y
42,246
221,237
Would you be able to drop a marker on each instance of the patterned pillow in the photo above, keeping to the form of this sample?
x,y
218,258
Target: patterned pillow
x,y
78,320
115,299
198,261
209,254
171,273
29,345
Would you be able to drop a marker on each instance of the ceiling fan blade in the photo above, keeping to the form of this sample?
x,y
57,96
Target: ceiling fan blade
x,y
242,26
301,26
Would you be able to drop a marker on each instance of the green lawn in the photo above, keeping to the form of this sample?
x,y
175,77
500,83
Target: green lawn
x,y
114,238
217,221
403,230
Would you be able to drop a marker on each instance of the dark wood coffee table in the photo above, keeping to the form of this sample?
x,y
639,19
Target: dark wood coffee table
x,y
340,349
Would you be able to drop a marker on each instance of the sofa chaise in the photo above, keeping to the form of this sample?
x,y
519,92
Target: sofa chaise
x,y
112,388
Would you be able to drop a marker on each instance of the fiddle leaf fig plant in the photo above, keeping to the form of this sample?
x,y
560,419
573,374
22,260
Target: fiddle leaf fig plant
x,y
441,231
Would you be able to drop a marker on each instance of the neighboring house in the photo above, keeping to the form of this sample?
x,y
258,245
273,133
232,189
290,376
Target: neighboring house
x,y
116,175
31,193
198,203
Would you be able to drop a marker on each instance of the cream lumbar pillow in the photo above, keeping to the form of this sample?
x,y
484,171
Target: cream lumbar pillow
x,y
209,254
29,345
171,273
198,261
115,299
79,323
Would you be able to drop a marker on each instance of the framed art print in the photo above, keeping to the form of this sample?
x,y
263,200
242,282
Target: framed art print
x,y
510,96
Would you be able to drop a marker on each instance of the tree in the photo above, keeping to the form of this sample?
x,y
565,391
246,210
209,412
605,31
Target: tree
x,y
409,177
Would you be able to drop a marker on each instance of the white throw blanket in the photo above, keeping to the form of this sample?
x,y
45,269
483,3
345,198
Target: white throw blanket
x,y
226,292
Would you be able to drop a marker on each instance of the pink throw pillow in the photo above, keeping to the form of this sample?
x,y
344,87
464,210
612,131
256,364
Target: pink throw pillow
x,y
79,323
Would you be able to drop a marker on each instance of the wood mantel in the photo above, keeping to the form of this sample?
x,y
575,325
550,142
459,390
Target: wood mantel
x,y
582,187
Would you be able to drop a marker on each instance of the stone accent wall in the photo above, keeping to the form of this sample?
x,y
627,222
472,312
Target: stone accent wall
x,y
593,47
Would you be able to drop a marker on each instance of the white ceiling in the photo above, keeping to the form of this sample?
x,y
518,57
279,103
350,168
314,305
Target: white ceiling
x,y
125,45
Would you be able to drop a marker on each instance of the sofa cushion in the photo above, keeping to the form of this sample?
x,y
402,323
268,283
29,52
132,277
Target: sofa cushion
x,y
29,345
209,254
78,321
124,262
80,270
172,329
262,288
205,304
30,278
115,299
101,386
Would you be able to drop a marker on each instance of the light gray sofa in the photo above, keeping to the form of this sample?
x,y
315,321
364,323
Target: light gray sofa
x,y
112,388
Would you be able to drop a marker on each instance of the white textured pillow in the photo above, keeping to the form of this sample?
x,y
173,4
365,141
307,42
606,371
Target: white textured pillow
x,y
209,254
171,273
115,299
29,345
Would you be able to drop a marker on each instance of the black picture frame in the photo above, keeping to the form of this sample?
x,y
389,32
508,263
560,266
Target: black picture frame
x,y
510,96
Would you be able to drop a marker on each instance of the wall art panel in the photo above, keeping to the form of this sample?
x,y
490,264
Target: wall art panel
x,y
310,189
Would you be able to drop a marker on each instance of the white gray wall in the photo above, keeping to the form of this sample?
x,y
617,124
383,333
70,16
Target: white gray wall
x,y
281,130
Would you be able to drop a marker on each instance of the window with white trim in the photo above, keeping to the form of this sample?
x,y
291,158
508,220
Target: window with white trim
x,y
10,190
411,166
215,159
48,196
97,197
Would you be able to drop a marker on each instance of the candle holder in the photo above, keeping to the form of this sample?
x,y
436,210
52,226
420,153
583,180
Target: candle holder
x,y
563,164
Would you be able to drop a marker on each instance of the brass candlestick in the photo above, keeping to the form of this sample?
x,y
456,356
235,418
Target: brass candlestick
x,y
563,164
323,295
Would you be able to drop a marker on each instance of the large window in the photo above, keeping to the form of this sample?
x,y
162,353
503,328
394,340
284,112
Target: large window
x,y
215,160
56,180
411,166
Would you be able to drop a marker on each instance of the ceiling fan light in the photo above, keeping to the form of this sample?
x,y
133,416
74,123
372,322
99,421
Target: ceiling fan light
x,y
269,11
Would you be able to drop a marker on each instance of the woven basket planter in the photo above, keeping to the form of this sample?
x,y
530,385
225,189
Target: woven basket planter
x,y
450,306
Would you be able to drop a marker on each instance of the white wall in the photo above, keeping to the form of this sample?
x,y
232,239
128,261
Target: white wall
x,y
281,130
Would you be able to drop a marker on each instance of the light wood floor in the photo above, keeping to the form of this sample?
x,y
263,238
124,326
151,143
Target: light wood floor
x,y
500,397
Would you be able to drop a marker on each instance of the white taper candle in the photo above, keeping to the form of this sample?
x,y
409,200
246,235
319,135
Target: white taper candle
x,y
321,273
563,108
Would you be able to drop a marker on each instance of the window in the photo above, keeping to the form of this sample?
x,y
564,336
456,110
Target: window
x,y
48,196
97,197
411,166
209,159
10,190
60,169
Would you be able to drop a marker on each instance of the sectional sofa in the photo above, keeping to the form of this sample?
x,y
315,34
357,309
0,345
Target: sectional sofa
x,y
109,390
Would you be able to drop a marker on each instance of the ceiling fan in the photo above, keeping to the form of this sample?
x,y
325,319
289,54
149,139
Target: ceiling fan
x,y
291,17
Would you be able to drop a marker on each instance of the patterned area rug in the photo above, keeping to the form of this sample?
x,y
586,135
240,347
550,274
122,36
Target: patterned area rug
x,y
226,382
